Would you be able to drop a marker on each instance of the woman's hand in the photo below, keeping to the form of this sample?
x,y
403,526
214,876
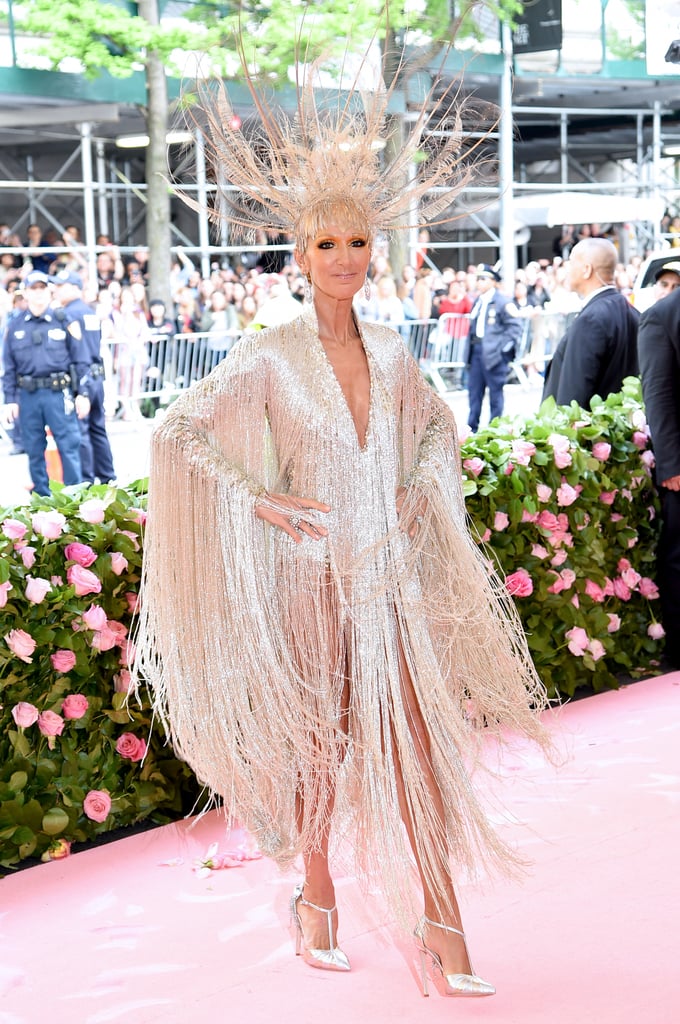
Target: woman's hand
x,y
291,514
414,514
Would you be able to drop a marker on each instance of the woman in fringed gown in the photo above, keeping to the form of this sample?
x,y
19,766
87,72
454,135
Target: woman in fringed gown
x,y
325,643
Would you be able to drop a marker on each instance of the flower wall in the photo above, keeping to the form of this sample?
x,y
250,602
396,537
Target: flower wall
x,y
562,504
76,759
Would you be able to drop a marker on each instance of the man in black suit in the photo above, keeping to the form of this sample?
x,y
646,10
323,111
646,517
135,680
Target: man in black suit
x,y
659,351
600,347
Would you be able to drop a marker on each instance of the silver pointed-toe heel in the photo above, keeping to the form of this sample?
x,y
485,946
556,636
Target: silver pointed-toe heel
x,y
454,984
331,959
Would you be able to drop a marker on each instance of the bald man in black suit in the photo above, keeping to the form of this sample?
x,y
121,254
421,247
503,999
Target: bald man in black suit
x,y
600,347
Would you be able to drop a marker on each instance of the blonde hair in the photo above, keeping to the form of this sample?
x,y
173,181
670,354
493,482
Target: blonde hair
x,y
314,218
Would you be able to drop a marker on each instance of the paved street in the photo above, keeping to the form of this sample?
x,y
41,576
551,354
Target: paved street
x,y
130,443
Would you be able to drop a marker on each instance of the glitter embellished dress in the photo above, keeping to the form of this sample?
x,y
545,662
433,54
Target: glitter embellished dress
x,y
247,639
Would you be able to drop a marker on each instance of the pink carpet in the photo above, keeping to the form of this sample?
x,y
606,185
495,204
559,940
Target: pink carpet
x,y
130,933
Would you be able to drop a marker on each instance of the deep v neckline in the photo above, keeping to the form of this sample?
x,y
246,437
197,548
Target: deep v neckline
x,y
361,446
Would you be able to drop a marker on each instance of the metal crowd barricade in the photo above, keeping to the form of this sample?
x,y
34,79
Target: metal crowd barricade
x,y
173,364
540,337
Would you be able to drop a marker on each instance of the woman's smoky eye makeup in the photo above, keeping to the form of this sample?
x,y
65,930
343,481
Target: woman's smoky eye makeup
x,y
328,243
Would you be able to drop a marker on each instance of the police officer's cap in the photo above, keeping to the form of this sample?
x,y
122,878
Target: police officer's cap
x,y
68,277
484,270
35,277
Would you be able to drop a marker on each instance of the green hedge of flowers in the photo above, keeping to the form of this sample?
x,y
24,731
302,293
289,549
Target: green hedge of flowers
x,y
565,505
76,759
562,503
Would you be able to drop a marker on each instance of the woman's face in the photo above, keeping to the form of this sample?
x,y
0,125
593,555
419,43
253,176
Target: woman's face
x,y
336,260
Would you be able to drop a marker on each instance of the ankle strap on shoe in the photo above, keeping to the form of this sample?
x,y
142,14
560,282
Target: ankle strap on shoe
x,y
444,927
324,910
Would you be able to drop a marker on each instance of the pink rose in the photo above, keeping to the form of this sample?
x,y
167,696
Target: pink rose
x,y
523,451
92,511
529,517
56,581
623,564
130,747
36,589
569,577
631,578
647,459
14,529
656,631
562,460
50,723
648,588
602,450
28,556
548,521
119,562
103,640
97,804
127,653
538,551
543,493
501,521
63,661
94,617
474,466
614,623
141,515
464,433
118,630
49,525
607,497
640,440
575,601
486,536
83,554
84,581
597,649
578,641
621,590
132,601
519,583
74,706
559,558
615,517
608,587
594,592
22,644
509,469
566,495
4,591
25,714
122,682
557,585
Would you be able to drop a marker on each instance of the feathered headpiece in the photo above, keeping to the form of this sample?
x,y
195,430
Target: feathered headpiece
x,y
350,147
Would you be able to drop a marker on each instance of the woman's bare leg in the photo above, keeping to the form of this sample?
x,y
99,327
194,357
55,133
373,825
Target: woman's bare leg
x,y
319,888
440,905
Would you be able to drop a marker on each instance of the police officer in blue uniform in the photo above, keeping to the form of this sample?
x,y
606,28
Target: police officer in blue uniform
x,y
495,329
85,327
45,382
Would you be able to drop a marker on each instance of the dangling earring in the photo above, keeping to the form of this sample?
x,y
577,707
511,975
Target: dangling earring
x,y
367,288
307,288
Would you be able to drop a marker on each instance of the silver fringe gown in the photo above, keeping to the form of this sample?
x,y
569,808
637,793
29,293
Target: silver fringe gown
x,y
247,639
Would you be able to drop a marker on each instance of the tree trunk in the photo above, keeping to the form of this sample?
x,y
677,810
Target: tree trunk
x,y
158,195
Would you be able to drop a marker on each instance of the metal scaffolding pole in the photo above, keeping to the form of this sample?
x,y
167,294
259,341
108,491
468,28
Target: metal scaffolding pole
x,y
507,219
88,198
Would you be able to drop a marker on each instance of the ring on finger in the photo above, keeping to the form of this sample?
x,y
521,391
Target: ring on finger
x,y
419,520
295,519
